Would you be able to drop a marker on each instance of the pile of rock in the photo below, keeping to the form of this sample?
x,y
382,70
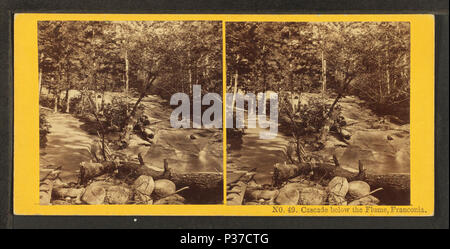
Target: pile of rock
x,y
299,191
104,190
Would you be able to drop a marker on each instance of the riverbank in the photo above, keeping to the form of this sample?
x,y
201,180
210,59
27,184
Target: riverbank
x,y
73,146
379,143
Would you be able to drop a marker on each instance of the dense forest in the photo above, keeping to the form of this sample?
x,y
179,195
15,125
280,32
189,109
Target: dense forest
x,y
153,57
344,94
105,134
367,59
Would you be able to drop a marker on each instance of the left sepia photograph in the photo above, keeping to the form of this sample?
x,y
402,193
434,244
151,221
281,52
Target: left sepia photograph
x,y
108,126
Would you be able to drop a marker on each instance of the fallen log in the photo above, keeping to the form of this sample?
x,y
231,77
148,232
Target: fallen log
x,y
321,171
236,193
89,170
202,180
198,180
283,172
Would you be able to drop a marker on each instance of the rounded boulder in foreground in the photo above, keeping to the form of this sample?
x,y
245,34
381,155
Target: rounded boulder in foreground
x,y
288,196
312,196
144,185
164,187
338,186
94,195
357,189
118,195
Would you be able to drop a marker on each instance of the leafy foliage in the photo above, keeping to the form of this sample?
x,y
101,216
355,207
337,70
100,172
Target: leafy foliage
x,y
44,129
163,57
368,59
116,113
309,117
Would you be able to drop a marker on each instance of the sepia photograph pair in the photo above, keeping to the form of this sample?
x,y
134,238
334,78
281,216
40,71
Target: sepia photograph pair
x,y
270,113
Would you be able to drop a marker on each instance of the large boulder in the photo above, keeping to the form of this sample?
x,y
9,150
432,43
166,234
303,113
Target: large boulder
x,y
164,187
144,185
94,195
338,186
118,195
312,196
357,189
288,196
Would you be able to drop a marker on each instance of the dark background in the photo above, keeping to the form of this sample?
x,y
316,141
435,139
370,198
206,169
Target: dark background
x,y
437,7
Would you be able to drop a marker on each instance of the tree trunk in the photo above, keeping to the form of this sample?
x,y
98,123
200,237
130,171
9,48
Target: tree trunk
x,y
126,72
388,82
56,103
236,193
190,81
330,116
236,75
83,99
324,76
387,71
198,180
67,101
291,84
397,182
40,81
90,170
131,120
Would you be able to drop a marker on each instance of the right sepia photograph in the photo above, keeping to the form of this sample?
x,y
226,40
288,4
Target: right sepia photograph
x,y
318,113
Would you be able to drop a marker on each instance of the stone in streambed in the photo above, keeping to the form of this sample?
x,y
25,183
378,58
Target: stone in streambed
x,y
144,185
312,196
118,195
164,187
357,189
338,186
94,195
288,196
